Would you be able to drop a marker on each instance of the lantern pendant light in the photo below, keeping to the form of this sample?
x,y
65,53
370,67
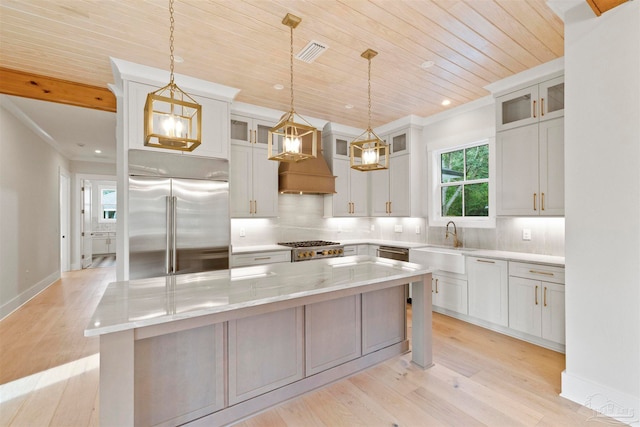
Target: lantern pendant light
x,y
367,151
292,139
172,119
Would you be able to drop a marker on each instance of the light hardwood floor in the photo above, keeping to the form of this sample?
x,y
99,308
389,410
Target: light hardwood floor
x,y
49,375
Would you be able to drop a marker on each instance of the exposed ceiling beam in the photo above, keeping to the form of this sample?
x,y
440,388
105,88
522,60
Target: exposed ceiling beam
x,y
601,6
35,86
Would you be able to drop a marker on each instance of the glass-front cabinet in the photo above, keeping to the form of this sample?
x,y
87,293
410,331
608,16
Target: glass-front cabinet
x,y
543,101
246,130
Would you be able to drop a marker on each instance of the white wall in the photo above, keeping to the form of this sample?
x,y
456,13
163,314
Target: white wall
x,y
602,178
29,213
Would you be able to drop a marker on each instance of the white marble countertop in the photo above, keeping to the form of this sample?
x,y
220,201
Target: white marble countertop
x,y
488,253
145,302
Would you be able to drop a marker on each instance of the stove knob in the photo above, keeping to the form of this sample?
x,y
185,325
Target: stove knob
x,y
325,252
331,251
312,254
340,251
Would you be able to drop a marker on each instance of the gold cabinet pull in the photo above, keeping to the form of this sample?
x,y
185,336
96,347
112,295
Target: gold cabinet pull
x,y
436,286
536,294
545,296
353,207
250,206
264,258
541,107
486,260
389,207
432,280
541,201
386,207
546,273
534,109
535,196
255,206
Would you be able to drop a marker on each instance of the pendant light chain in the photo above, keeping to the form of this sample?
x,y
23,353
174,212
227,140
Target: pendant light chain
x,y
291,66
171,27
369,88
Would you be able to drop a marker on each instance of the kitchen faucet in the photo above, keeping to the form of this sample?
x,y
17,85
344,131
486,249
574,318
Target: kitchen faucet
x,y
456,242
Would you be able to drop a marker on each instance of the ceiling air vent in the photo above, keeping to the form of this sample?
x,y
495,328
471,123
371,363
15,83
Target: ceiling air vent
x,y
311,51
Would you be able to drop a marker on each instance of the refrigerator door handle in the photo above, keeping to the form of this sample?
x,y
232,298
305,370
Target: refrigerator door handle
x,y
174,249
167,249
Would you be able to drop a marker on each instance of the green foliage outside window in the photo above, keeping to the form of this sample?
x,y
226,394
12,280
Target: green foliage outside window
x,y
464,181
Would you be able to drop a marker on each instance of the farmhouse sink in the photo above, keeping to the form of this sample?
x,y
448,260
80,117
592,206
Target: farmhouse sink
x,y
441,258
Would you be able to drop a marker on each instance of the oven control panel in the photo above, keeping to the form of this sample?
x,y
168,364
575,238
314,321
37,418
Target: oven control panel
x,y
303,254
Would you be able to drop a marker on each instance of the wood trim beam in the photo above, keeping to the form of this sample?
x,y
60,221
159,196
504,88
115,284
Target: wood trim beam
x,y
601,6
44,88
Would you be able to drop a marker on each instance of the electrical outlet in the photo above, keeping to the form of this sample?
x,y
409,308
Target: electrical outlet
x,y
417,229
526,234
397,228
242,232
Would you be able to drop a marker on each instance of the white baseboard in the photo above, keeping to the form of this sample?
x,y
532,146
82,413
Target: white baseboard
x,y
603,400
15,303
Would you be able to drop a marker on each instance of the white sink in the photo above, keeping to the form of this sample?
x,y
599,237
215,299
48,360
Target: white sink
x,y
440,258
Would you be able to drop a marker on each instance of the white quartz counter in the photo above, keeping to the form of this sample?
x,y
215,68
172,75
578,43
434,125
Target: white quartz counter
x,y
139,303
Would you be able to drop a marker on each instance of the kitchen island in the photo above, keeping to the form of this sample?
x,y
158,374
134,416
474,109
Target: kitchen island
x,y
212,348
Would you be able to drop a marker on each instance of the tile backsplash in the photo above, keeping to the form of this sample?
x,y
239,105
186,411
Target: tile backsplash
x,y
301,217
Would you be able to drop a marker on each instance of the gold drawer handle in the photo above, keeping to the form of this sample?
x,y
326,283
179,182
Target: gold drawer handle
x,y
485,260
262,259
536,294
546,273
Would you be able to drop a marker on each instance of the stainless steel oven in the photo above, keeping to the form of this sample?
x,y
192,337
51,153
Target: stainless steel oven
x,y
392,252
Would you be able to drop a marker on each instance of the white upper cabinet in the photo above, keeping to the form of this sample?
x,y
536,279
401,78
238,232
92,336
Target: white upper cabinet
x,y
351,197
253,181
530,170
215,119
539,102
390,188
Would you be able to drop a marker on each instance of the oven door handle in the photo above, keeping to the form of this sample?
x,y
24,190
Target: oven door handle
x,y
390,251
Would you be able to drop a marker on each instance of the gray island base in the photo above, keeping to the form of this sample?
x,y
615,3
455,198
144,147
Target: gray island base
x,y
209,349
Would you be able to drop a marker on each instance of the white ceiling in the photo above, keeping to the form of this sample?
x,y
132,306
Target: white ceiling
x,y
74,131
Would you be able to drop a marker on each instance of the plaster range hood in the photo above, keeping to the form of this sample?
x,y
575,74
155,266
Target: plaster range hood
x,y
311,176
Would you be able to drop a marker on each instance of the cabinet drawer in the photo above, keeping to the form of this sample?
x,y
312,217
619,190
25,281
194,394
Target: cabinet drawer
x,y
546,273
260,258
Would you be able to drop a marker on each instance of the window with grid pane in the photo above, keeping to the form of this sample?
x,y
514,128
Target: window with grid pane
x,y
464,182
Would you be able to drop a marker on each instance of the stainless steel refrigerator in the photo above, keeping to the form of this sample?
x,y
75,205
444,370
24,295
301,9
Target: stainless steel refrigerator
x,y
178,214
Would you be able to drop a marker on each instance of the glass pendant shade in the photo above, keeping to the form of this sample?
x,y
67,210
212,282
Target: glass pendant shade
x,y
172,119
368,152
292,141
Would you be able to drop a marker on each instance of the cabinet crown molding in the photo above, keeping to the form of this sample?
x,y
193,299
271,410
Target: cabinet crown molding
x,y
528,77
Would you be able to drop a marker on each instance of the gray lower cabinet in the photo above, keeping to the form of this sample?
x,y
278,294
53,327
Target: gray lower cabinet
x,y
256,366
167,388
383,319
333,333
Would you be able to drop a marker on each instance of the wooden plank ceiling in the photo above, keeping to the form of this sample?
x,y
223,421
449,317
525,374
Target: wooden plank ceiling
x,y
242,43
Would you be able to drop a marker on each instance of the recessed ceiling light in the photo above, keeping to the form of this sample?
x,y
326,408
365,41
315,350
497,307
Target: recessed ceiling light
x,y
446,102
348,106
80,144
98,151
278,86
427,64
178,59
